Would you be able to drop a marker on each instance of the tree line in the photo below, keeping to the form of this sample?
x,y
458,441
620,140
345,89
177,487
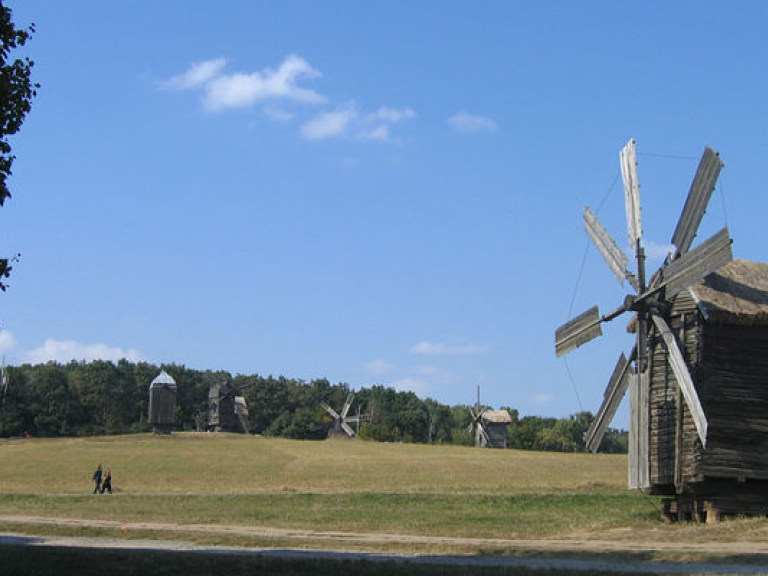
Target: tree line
x,y
102,397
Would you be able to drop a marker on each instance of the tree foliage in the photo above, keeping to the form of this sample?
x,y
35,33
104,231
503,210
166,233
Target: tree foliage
x,y
16,93
99,397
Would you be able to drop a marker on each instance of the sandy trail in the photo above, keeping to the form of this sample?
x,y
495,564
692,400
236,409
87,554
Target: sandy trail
x,y
758,564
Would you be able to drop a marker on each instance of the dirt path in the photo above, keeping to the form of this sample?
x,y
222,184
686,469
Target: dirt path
x,y
757,550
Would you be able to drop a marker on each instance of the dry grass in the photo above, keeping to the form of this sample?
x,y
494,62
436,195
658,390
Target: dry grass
x,y
199,463
173,485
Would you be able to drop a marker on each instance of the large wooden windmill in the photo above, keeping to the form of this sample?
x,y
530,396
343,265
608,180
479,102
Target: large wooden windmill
x,y
683,442
342,420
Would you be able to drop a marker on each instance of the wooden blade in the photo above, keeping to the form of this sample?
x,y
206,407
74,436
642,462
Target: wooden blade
x,y
347,429
580,330
698,197
330,411
347,404
628,160
482,433
606,245
614,392
696,264
683,377
243,420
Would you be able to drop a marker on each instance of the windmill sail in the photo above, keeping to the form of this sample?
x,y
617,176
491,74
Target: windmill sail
x,y
613,255
698,198
341,420
580,330
614,392
628,160
698,263
684,380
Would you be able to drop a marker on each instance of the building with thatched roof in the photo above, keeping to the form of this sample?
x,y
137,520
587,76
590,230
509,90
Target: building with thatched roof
x,y
494,424
721,323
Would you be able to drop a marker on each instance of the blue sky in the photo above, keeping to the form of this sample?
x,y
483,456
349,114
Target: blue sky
x,y
372,192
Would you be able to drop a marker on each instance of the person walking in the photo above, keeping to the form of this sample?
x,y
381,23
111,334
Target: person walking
x,y
106,485
97,479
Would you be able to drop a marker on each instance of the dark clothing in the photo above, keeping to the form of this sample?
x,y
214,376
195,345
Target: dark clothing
x,y
107,485
97,480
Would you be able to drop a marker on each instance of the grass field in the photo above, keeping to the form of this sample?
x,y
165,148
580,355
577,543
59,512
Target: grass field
x,y
220,489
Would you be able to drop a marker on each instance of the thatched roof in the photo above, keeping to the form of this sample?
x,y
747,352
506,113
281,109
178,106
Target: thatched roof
x,y
496,417
737,293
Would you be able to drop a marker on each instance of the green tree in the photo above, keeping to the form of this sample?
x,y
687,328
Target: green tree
x,y
49,402
16,414
16,93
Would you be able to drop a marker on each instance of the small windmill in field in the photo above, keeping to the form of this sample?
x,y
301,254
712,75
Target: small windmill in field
x,y
227,409
489,427
697,372
162,403
341,420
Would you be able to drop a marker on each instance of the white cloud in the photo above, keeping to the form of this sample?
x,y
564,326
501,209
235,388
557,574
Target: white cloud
x,y
380,133
438,349
379,367
197,75
65,350
349,121
393,115
223,91
242,90
543,398
330,124
278,114
7,341
463,122
376,126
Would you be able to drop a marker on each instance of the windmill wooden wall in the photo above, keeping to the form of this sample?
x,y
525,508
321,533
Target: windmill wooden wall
x,y
495,424
162,403
226,411
722,322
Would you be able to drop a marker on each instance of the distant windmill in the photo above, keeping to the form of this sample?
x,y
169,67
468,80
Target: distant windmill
x,y
489,426
341,420
227,409
476,427
162,403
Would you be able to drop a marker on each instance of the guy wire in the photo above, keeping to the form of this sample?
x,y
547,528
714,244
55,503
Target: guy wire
x,y
578,282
